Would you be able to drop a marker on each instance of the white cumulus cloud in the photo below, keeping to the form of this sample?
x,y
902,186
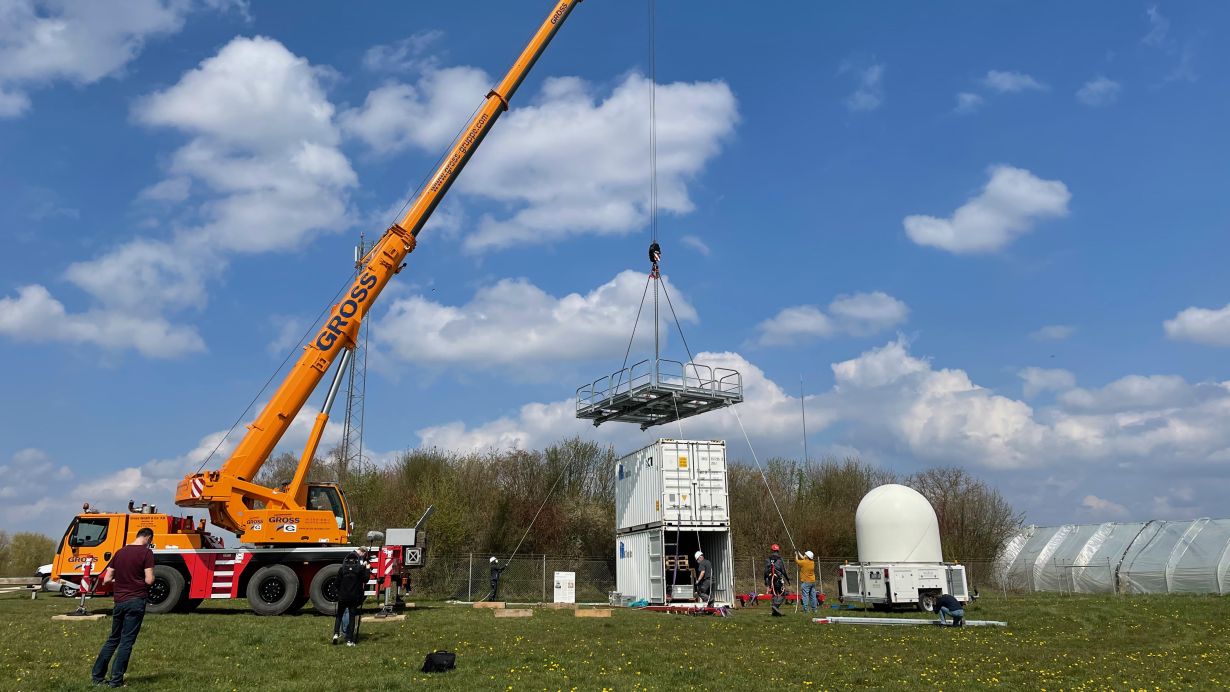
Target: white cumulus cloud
x,y
1099,91
869,95
859,314
1038,380
1053,332
1101,508
261,171
968,102
514,322
42,41
426,115
1007,82
1201,325
568,161
1012,202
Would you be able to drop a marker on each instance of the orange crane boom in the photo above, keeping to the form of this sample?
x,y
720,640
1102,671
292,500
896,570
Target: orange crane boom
x,y
281,515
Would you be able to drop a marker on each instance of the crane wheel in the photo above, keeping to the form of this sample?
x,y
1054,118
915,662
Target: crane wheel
x,y
324,589
272,589
187,605
166,591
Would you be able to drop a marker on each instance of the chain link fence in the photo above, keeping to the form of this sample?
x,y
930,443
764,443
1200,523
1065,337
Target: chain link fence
x,y
527,579
531,578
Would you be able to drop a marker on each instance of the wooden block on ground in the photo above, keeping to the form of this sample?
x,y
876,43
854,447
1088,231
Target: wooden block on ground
x,y
514,613
388,618
560,606
78,618
490,604
593,612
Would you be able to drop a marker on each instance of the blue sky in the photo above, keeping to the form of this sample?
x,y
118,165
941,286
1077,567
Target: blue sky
x,y
990,235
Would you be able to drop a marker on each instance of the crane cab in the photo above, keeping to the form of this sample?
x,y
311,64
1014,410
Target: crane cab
x,y
328,496
94,537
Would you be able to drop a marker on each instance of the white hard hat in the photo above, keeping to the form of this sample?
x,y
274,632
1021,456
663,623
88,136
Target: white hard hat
x,y
810,555
698,554
493,559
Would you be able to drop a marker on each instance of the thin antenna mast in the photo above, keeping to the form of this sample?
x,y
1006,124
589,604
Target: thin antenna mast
x,y
803,408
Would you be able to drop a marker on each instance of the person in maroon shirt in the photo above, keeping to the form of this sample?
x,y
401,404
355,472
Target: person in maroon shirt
x,y
132,571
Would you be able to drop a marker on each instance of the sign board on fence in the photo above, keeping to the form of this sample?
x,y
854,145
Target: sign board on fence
x,y
565,587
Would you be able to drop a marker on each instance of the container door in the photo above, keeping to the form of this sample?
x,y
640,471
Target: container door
x,y
657,572
708,461
678,487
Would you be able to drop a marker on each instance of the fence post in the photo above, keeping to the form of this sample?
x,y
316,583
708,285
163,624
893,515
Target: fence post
x,y
544,577
470,580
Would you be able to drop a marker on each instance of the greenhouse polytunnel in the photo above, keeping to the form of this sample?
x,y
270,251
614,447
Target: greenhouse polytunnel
x,y
1149,557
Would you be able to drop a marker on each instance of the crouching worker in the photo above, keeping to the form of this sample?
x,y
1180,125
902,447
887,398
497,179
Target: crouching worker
x,y
946,605
351,592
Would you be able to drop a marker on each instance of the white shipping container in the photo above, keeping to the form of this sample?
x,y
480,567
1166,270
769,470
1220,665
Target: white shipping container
x,y
642,559
672,482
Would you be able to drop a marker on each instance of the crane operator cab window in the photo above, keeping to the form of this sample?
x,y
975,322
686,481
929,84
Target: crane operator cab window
x,y
327,498
88,533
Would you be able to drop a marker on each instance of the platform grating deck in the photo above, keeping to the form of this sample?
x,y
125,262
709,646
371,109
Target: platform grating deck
x,y
656,392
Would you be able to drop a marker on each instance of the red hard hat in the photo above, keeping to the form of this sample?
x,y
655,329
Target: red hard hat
x,y
774,547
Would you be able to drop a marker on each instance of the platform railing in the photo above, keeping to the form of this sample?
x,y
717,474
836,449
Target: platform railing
x,y
670,374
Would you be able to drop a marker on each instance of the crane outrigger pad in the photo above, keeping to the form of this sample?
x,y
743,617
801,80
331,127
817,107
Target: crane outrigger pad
x,y
653,392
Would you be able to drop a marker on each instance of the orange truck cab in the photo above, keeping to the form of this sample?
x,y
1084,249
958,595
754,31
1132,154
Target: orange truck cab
x,y
95,537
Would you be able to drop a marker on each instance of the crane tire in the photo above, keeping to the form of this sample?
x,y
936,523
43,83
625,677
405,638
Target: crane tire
x,y
188,605
272,590
324,589
166,591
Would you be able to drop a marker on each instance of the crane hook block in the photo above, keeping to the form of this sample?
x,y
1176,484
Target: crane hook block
x,y
655,252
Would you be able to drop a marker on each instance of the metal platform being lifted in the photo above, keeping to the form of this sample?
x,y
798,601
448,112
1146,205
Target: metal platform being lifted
x,y
653,392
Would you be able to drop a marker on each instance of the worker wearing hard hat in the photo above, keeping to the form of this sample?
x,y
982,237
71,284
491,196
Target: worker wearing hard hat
x,y
704,579
776,579
496,570
807,580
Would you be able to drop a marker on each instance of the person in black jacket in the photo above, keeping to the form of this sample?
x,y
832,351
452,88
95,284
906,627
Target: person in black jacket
x,y
496,570
946,605
351,592
776,579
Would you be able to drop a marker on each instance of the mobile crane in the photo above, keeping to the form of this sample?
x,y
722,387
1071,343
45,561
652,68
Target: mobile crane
x,y
296,535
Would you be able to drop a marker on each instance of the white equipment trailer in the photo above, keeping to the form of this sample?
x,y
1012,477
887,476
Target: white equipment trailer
x,y
889,585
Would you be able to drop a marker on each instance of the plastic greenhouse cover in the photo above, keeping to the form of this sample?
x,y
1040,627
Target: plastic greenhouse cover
x,y
1150,557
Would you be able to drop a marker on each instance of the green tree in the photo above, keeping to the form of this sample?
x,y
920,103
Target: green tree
x,y
24,553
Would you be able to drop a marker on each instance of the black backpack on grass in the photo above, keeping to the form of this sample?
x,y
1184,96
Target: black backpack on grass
x,y
439,662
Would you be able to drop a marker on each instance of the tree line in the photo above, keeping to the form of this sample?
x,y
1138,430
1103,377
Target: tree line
x,y
485,502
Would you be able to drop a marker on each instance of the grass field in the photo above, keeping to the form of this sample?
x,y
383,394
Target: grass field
x,y
1052,642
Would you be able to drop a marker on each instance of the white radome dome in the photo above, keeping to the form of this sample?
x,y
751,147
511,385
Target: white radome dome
x,y
894,523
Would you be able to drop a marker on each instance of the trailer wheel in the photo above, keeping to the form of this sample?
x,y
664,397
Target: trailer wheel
x,y
926,601
324,589
272,589
166,591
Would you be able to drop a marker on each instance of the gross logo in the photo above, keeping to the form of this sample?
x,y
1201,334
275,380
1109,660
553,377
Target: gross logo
x,y
84,558
345,310
559,12
283,520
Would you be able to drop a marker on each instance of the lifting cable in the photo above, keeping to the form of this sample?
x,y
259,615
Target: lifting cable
x,y
764,477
